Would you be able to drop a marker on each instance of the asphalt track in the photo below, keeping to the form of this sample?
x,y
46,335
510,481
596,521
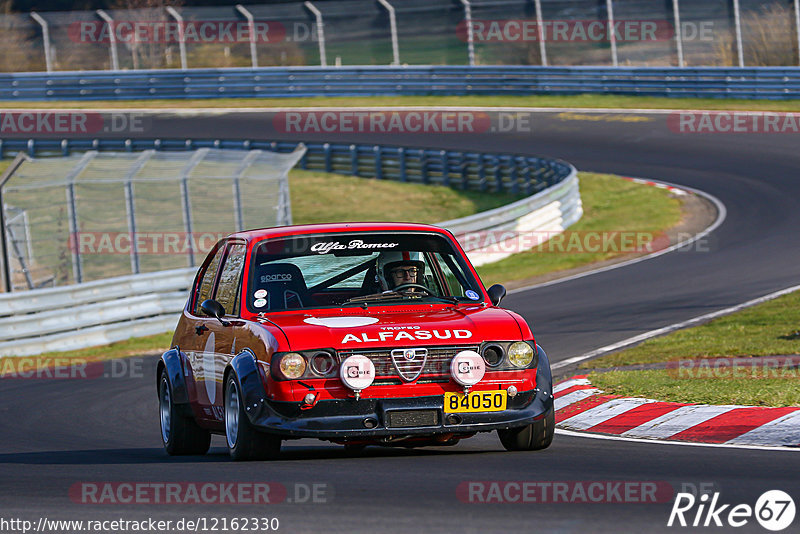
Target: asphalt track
x,y
60,432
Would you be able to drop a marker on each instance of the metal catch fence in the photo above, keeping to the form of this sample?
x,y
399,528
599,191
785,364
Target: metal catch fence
x,y
412,32
96,215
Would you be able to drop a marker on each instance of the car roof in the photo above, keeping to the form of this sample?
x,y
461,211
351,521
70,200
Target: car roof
x,y
324,228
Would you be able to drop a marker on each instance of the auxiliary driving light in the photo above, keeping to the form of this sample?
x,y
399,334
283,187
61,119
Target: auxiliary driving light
x,y
512,391
467,368
357,373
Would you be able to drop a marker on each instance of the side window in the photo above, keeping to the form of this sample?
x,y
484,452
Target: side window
x,y
230,279
207,282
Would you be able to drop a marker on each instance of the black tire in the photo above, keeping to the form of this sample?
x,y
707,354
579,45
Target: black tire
x,y
245,442
179,434
535,436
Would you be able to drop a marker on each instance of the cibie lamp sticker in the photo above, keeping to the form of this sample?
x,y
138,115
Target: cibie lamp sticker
x,y
357,373
467,369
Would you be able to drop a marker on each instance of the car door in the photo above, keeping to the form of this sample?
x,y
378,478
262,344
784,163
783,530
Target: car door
x,y
221,342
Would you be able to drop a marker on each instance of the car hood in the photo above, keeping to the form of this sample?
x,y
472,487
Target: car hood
x,y
395,327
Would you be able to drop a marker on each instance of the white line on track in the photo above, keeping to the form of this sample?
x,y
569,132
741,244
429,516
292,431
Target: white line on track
x,y
680,443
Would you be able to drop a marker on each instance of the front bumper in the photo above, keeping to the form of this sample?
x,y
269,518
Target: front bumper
x,y
345,419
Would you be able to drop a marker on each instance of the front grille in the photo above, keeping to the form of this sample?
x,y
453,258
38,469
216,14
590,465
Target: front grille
x,y
437,363
412,418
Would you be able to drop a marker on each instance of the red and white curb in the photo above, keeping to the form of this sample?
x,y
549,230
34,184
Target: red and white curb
x,y
671,189
582,407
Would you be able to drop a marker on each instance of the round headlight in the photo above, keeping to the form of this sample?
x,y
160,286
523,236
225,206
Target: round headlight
x,y
520,354
323,363
292,365
493,354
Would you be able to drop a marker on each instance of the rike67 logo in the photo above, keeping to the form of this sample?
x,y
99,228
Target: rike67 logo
x,y
774,510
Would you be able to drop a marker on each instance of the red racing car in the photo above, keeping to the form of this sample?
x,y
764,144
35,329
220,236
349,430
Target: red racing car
x,y
360,334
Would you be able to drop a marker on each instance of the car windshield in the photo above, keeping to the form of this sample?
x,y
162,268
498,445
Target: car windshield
x,y
325,270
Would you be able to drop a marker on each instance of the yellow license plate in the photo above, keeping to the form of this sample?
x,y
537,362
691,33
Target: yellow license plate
x,y
476,401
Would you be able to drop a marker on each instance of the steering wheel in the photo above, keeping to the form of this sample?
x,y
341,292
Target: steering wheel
x,y
412,285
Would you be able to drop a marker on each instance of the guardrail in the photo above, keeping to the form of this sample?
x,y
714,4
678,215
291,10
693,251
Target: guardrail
x,y
279,82
466,170
95,313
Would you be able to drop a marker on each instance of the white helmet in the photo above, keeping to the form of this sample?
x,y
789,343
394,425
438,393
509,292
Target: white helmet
x,y
389,260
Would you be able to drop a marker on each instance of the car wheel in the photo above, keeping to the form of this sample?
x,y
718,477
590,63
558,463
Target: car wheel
x,y
245,442
179,434
535,436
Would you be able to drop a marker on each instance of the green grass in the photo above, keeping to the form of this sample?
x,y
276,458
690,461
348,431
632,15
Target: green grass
x,y
554,101
661,385
610,205
321,197
767,329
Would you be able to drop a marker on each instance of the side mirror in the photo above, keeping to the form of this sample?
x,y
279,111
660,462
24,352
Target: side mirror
x,y
496,294
212,308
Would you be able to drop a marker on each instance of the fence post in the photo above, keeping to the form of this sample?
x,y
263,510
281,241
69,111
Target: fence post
x,y
797,26
46,37
10,170
737,17
470,32
401,154
676,12
72,213
193,162
181,37
445,168
393,29
481,173
612,35
237,194
112,38
378,162
130,205
251,24
354,160
326,150
323,60
498,174
540,24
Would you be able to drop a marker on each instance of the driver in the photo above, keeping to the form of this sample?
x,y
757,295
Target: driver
x,y
398,268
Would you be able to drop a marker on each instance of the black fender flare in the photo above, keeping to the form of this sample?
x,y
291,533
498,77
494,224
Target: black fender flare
x,y
544,376
544,383
245,370
172,362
